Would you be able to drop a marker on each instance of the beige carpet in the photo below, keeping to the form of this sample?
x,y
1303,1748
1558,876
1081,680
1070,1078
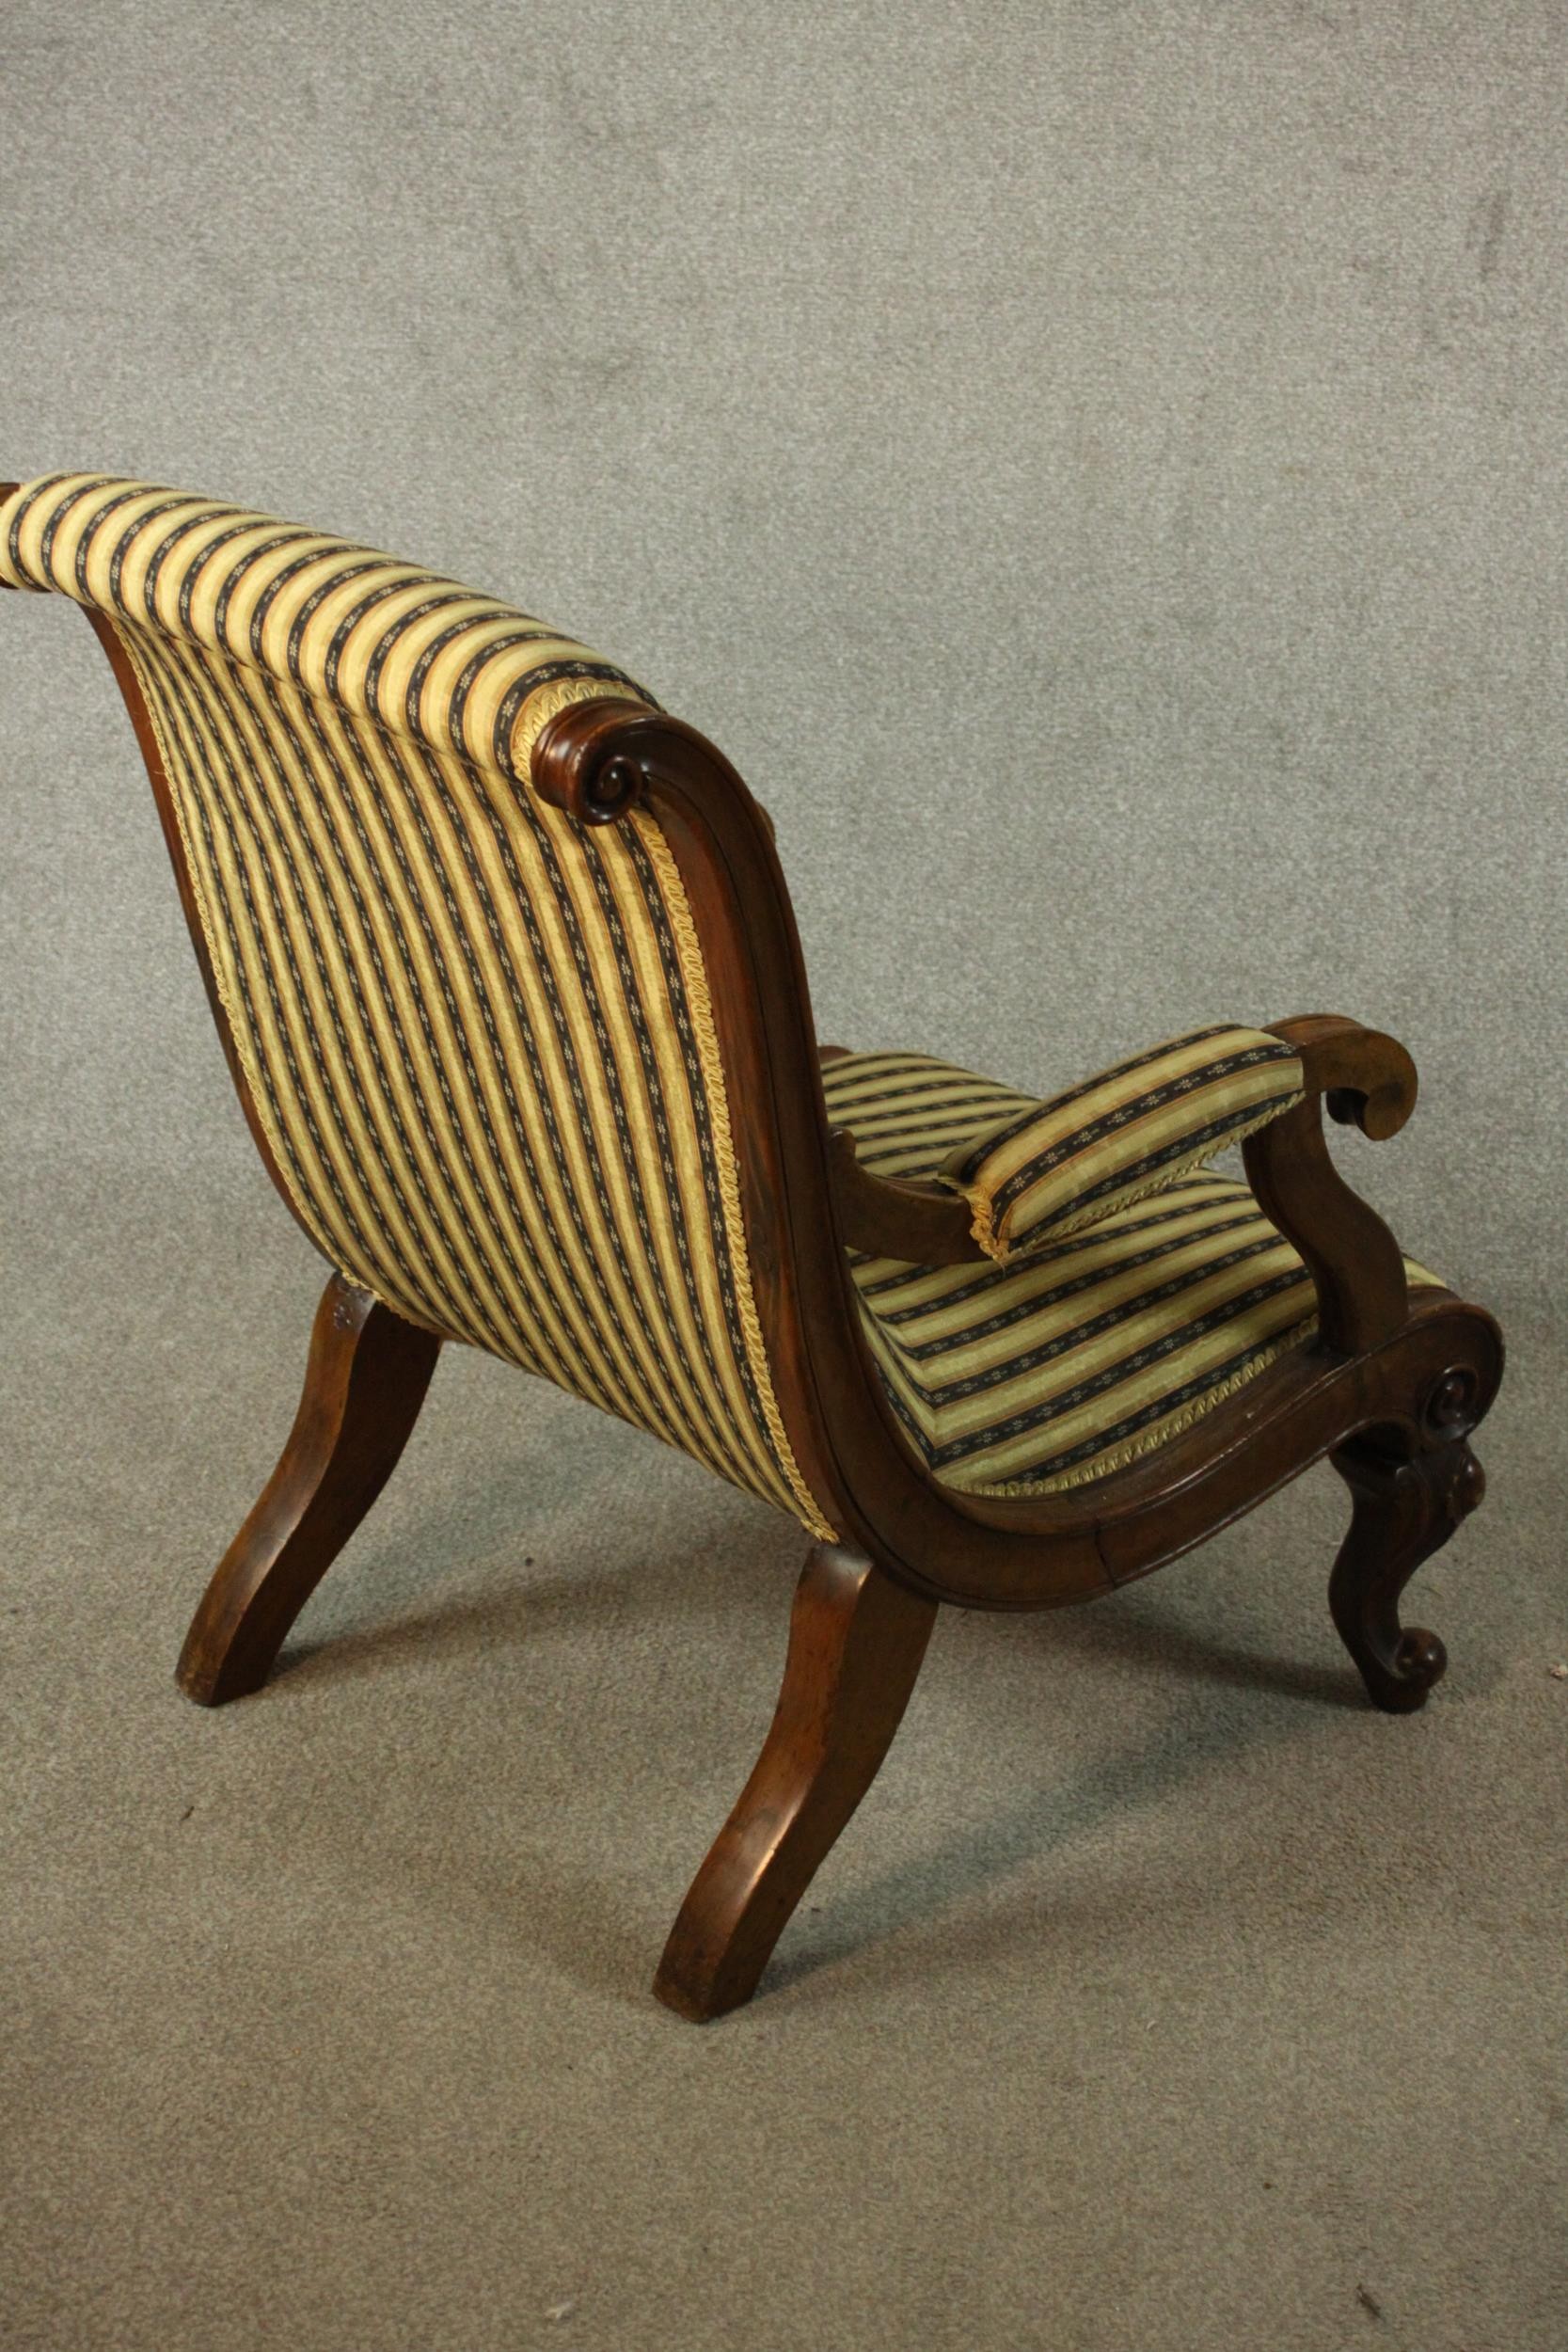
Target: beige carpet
x,y
1162,1994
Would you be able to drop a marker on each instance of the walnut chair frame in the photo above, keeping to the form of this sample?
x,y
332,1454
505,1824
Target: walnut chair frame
x,y
1388,1389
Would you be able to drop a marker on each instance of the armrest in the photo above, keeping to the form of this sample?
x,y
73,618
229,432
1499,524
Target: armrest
x,y
889,1217
1366,1080
1130,1131
1363,1077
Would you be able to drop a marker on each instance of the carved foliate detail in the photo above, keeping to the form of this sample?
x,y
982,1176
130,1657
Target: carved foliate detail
x,y
1407,1507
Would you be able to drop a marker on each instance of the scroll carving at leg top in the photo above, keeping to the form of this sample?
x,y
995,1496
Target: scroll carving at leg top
x,y
1407,1504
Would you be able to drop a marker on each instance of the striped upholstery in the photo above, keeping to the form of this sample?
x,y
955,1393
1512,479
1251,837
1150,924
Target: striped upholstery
x,y
478,1035
1098,1346
907,1113
1045,1170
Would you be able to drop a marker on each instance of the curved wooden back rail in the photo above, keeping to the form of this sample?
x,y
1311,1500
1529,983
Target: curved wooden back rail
x,y
813,1199
1390,1388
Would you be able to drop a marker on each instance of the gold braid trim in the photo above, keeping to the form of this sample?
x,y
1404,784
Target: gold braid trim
x,y
699,1004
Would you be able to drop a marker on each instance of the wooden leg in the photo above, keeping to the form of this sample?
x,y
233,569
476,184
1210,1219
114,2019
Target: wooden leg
x,y
1406,1509
364,1384
856,1640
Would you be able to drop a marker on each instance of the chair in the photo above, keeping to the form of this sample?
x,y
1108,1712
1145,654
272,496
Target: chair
x,y
504,965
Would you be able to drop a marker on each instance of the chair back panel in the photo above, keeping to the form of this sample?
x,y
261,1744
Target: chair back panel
x,y
478,1035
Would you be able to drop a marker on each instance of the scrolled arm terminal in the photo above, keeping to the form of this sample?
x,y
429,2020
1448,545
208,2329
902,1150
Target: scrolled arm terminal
x,y
1367,1080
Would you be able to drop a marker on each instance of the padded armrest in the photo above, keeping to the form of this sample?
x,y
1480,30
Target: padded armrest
x,y
1128,1132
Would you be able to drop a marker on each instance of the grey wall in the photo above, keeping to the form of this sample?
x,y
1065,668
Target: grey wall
x,y
1099,470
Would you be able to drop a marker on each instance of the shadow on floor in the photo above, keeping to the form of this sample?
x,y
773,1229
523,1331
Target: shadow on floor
x,y
1115,1637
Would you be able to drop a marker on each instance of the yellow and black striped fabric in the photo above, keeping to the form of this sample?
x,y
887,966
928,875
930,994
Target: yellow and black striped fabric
x,y
908,1113
1121,1135
1096,1347
478,1035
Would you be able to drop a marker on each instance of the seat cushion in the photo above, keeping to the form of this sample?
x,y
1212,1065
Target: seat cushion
x,y
907,1113
1099,1348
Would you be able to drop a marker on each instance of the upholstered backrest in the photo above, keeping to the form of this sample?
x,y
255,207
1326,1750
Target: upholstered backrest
x,y
479,1036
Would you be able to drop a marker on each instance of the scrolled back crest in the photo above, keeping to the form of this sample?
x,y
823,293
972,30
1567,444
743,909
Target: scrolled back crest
x,y
414,653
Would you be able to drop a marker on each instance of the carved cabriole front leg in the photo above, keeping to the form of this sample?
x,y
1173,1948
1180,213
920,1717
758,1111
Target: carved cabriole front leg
x,y
1407,1504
